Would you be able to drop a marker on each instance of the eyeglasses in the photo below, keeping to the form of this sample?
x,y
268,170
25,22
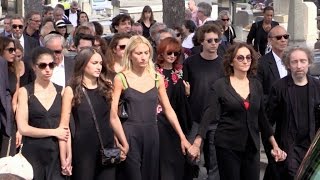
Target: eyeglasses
x,y
216,40
225,19
174,53
61,27
178,34
241,58
57,51
11,50
44,65
15,26
279,37
122,47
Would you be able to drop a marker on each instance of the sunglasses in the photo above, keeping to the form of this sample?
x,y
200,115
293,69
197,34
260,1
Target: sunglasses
x,y
286,36
122,47
11,50
44,65
57,51
225,19
174,53
178,34
216,40
15,26
241,58
62,27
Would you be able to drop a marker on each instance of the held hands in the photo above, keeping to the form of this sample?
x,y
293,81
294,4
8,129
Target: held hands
x,y
185,145
194,152
278,154
66,167
124,149
62,133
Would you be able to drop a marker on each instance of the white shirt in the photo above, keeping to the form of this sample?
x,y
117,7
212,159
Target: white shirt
x,y
21,40
203,22
58,75
187,42
281,68
73,17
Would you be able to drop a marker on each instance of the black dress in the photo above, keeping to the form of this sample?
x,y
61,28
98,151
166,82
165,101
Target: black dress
x,y
43,153
141,130
172,160
86,158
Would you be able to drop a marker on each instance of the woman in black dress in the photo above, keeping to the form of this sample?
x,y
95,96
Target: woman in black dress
x,y
38,113
235,102
142,88
172,160
146,20
85,150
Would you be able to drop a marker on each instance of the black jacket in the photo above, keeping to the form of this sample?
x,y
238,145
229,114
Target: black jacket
x,y
281,110
235,123
260,36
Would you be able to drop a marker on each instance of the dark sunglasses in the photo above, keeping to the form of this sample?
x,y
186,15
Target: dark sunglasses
x,y
62,27
57,51
44,65
11,50
216,40
225,19
178,34
15,26
241,58
286,36
122,47
174,53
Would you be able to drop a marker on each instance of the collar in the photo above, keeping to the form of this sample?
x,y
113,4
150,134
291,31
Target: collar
x,y
276,57
61,65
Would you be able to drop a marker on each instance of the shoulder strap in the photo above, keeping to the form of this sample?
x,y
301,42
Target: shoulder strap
x,y
94,117
58,88
157,81
30,89
123,80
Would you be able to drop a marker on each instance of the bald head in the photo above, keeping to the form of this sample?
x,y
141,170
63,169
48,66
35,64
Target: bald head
x,y
278,38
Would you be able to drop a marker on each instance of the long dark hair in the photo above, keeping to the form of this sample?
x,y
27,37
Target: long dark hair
x,y
76,82
146,9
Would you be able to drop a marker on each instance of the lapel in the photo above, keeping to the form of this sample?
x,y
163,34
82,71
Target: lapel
x,y
292,99
312,95
233,92
273,65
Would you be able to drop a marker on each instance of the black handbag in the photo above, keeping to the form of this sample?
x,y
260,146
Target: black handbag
x,y
122,110
109,156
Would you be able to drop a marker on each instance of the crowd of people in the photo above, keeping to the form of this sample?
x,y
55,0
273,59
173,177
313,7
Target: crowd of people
x,y
187,89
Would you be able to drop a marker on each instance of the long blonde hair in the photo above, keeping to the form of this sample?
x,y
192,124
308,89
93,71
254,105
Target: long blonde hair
x,y
132,44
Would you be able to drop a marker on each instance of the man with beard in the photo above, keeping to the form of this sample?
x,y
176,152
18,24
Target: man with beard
x,y
293,106
33,20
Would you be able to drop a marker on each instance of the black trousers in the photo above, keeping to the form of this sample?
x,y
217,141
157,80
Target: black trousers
x,y
237,165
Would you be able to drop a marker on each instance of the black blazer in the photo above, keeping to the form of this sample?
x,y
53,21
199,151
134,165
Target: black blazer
x,y
267,72
260,36
6,115
235,123
29,44
68,68
281,110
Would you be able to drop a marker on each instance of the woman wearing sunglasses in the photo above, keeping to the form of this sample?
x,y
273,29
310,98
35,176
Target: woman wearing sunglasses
x,y
236,103
115,52
142,88
38,115
172,159
228,31
85,152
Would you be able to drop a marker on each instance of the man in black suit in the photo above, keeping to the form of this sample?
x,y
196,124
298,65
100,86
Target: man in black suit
x,y
270,67
64,68
294,107
72,13
28,43
7,26
6,115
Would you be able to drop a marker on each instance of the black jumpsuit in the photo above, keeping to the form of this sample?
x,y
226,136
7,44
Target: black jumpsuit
x,y
142,162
